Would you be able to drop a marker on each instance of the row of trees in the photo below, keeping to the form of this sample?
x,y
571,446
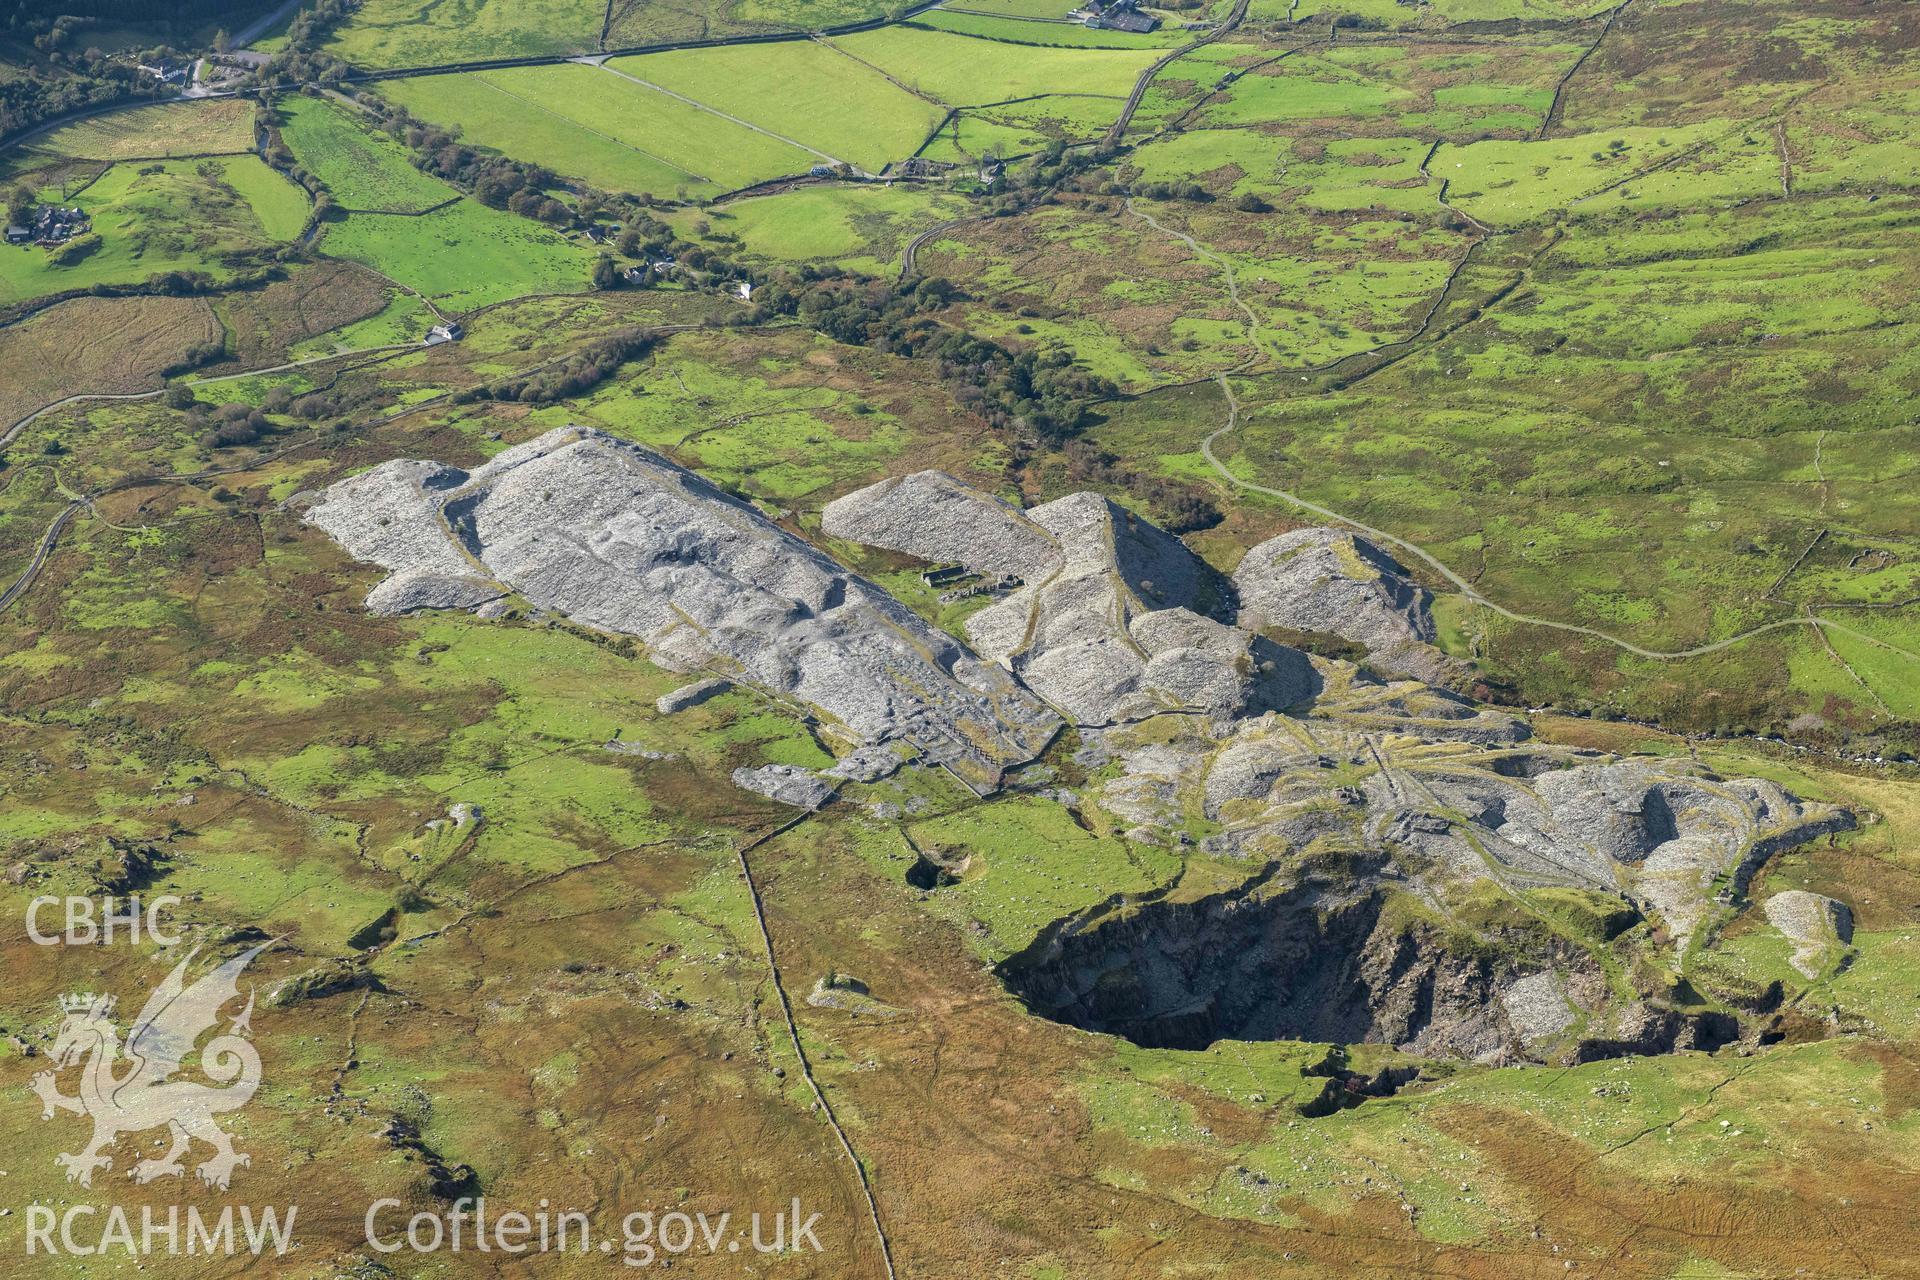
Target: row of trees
x,y
71,80
1044,393
1039,397
581,373
301,60
18,15
226,425
494,180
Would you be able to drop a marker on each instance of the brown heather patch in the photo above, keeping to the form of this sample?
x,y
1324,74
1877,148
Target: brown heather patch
x,y
1830,1214
114,345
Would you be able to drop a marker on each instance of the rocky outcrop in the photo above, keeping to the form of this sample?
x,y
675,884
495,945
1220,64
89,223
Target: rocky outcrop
x,y
619,538
1283,761
387,516
414,590
1461,791
1071,635
786,784
1197,664
1112,620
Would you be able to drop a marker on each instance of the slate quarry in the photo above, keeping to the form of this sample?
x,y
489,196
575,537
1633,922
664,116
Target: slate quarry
x,y
1191,713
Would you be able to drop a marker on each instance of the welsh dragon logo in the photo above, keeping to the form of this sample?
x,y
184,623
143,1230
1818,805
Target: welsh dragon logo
x,y
142,1096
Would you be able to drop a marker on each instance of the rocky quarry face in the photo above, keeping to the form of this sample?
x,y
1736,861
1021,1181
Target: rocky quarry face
x,y
1332,958
1391,836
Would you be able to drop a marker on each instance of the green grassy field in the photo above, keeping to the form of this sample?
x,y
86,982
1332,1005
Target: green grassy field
x,y
1440,12
398,33
591,124
1639,357
404,318
1305,88
1510,183
801,15
962,72
363,169
1021,128
150,218
1562,436
1459,92
805,92
861,228
280,207
463,256
1045,34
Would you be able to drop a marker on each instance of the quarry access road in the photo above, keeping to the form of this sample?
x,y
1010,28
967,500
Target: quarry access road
x,y
1473,594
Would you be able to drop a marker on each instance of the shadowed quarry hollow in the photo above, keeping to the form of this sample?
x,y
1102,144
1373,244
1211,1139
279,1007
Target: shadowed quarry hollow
x,y
1314,964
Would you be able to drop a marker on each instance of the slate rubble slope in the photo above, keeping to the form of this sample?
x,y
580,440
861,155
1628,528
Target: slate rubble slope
x,y
617,537
931,515
1110,623
1322,579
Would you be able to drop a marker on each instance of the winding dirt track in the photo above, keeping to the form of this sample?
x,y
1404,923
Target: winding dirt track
x,y
7,437
1472,593
1226,270
1465,587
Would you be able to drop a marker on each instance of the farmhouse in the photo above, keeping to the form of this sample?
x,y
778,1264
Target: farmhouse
x,y
50,225
451,331
1119,15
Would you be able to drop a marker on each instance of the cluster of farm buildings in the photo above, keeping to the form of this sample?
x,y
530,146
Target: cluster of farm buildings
x,y
49,225
1116,15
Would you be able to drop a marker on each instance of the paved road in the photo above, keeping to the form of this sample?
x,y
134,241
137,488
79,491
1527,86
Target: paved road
x,y
1146,77
41,552
254,30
